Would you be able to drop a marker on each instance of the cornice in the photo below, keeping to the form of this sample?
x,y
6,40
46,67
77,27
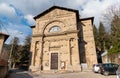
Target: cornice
x,y
56,33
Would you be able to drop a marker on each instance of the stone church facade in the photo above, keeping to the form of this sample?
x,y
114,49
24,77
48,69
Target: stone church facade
x,y
61,41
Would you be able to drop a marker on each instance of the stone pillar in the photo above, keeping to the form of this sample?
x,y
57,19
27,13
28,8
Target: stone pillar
x,y
32,51
76,60
69,62
69,65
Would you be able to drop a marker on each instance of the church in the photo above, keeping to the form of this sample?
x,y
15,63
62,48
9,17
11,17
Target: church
x,y
62,41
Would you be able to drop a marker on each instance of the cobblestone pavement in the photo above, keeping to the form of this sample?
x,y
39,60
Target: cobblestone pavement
x,y
25,74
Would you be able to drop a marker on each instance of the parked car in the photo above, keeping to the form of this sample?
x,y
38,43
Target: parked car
x,y
108,68
96,68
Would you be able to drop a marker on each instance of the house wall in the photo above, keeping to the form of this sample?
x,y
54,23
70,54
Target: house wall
x,y
3,61
1,42
111,58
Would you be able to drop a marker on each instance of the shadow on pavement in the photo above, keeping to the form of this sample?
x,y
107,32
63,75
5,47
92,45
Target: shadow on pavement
x,y
16,73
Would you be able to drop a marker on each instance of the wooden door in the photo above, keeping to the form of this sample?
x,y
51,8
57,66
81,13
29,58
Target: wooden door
x,y
54,60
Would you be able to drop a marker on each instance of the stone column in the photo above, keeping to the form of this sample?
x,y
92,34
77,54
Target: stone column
x,y
69,66
69,46
32,51
76,59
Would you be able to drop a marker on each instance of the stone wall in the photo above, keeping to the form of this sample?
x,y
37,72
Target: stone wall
x,y
111,58
64,42
1,42
88,43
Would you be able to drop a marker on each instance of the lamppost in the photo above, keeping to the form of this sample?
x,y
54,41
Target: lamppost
x,y
10,55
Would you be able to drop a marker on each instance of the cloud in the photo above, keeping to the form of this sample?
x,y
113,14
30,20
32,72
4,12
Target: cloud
x,y
30,19
7,11
97,8
15,30
13,22
9,14
31,8
19,13
76,3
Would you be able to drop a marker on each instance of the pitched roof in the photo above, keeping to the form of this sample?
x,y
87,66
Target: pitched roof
x,y
32,26
54,7
89,18
6,36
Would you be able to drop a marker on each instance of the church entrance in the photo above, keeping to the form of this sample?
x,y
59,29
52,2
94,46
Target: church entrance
x,y
54,61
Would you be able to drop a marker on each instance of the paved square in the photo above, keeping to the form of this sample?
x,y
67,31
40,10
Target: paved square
x,y
90,74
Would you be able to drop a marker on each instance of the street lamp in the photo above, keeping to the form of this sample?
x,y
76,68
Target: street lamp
x,y
10,55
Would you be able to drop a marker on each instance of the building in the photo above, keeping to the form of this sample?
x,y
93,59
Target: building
x,y
110,58
3,37
61,41
3,56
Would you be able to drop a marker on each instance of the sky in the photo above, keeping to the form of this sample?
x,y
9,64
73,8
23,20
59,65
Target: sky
x,y
17,15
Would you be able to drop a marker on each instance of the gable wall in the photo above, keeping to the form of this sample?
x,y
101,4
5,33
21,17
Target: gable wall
x,y
66,18
59,42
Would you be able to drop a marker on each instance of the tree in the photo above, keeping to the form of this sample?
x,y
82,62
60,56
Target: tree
x,y
95,32
27,43
15,52
107,40
26,51
113,16
115,28
102,35
115,34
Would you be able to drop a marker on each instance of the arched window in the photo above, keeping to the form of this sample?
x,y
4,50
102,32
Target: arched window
x,y
55,29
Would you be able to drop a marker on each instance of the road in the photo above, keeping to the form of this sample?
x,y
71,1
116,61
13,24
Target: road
x,y
25,74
